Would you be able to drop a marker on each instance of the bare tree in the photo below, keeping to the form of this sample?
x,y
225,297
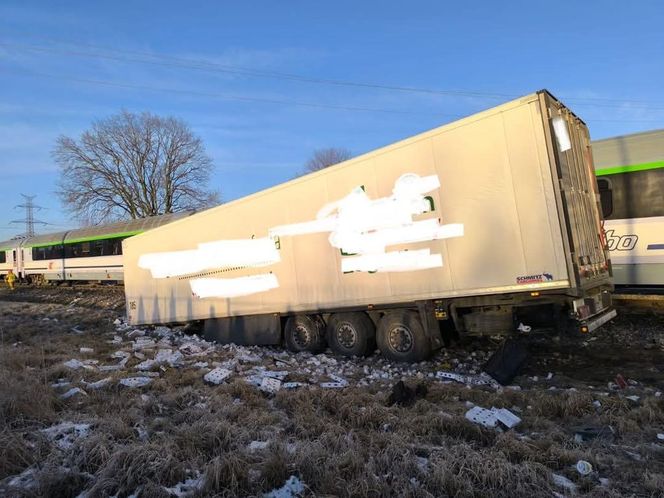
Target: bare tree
x,y
322,158
132,166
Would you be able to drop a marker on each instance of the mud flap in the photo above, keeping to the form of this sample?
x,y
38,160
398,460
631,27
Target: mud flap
x,y
260,330
507,361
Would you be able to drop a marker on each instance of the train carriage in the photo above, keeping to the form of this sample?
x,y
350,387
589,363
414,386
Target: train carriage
x,y
85,254
630,177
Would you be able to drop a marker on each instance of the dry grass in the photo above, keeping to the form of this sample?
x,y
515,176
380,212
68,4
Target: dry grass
x,y
340,443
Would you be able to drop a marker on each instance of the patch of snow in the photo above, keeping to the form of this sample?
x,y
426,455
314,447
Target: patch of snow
x,y
73,392
65,434
25,480
293,488
257,445
564,482
188,487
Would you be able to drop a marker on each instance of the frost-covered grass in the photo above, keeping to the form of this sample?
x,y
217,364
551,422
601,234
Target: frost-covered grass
x,y
179,435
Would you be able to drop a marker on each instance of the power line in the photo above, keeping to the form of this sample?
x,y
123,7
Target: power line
x,y
178,62
220,96
225,96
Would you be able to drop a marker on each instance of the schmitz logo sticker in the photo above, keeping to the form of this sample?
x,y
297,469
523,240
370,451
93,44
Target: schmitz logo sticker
x,y
533,279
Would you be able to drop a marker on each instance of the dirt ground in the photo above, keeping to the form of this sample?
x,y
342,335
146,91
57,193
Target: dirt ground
x,y
72,424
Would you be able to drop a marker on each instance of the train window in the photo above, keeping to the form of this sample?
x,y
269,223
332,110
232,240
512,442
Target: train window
x,y
637,194
605,196
46,252
3,256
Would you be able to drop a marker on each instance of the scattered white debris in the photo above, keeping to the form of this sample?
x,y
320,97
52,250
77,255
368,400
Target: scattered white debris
x,y
293,488
73,392
217,376
188,487
135,333
292,385
635,399
603,481
135,381
143,343
258,445
524,328
87,350
491,418
98,384
76,364
61,383
339,382
482,379
584,467
168,356
660,436
281,374
270,385
162,331
147,365
116,340
64,435
76,330
200,364
549,376
563,482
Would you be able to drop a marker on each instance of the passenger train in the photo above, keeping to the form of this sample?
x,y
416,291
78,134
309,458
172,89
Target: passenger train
x,y
630,177
85,254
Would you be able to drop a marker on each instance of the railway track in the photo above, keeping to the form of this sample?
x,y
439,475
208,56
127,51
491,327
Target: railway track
x,y
639,298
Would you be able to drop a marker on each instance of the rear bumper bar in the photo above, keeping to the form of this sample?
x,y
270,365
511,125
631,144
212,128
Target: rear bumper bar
x,y
598,320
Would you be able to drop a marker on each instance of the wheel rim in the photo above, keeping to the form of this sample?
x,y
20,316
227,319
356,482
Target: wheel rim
x,y
346,335
301,336
401,339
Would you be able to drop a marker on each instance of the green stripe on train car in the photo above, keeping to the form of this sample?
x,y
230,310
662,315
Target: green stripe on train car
x,y
90,239
629,168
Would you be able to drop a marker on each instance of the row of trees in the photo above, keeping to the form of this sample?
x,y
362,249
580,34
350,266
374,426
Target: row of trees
x,y
137,165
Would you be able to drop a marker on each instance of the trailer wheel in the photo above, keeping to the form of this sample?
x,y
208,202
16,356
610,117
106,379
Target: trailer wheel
x,y
401,337
351,334
304,333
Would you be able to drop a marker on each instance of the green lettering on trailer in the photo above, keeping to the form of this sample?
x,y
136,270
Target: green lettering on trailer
x,y
88,239
630,168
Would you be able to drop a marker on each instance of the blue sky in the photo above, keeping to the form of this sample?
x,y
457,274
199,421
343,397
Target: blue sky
x,y
226,69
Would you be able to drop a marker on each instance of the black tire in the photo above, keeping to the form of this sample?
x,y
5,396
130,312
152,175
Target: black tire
x,y
351,334
401,337
304,333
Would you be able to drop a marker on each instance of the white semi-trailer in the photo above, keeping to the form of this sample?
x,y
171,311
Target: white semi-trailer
x,y
476,226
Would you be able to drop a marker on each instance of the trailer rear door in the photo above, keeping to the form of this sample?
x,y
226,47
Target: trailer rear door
x,y
569,141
